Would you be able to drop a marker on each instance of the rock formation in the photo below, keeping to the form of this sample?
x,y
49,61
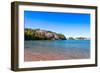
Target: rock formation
x,y
38,34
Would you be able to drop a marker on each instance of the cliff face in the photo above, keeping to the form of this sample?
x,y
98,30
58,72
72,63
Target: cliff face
x,y
38,34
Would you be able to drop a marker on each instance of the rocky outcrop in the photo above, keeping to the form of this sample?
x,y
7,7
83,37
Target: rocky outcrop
x,y
38,34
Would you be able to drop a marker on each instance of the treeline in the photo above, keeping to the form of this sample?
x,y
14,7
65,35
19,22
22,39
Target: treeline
x,y
78,38
38,34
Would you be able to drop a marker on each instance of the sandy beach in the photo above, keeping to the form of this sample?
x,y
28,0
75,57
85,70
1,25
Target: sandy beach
x,y
29,56
38,56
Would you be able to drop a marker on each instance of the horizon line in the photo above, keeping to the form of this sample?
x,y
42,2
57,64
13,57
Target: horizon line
x,y
60,33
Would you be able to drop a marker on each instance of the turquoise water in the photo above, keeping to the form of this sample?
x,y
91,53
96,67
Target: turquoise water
x,y
73,48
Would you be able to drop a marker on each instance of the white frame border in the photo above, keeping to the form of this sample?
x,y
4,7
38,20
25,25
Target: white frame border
x,y
34,64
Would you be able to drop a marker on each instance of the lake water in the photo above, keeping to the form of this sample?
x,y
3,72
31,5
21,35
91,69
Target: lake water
x,y
71,49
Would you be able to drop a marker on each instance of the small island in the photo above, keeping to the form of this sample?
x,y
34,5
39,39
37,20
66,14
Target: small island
x,y
78,38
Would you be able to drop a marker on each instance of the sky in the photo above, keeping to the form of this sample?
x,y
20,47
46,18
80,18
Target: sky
x,y
69,24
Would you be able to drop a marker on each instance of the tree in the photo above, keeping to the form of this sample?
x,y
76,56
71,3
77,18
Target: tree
x,y
37,34
71,38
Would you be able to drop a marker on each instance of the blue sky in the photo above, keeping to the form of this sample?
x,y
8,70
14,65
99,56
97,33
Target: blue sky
x,y
69,24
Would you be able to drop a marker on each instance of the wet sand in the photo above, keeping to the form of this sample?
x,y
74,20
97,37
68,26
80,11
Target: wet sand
x,y
38,56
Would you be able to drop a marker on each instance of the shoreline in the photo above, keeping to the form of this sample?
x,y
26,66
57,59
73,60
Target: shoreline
x,y
37,56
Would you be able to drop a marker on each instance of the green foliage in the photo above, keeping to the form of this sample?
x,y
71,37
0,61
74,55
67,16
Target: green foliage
x,y
38,34
61,36
81,38
71,38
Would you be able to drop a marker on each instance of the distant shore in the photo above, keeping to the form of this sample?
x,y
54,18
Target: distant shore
x,y
39,34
